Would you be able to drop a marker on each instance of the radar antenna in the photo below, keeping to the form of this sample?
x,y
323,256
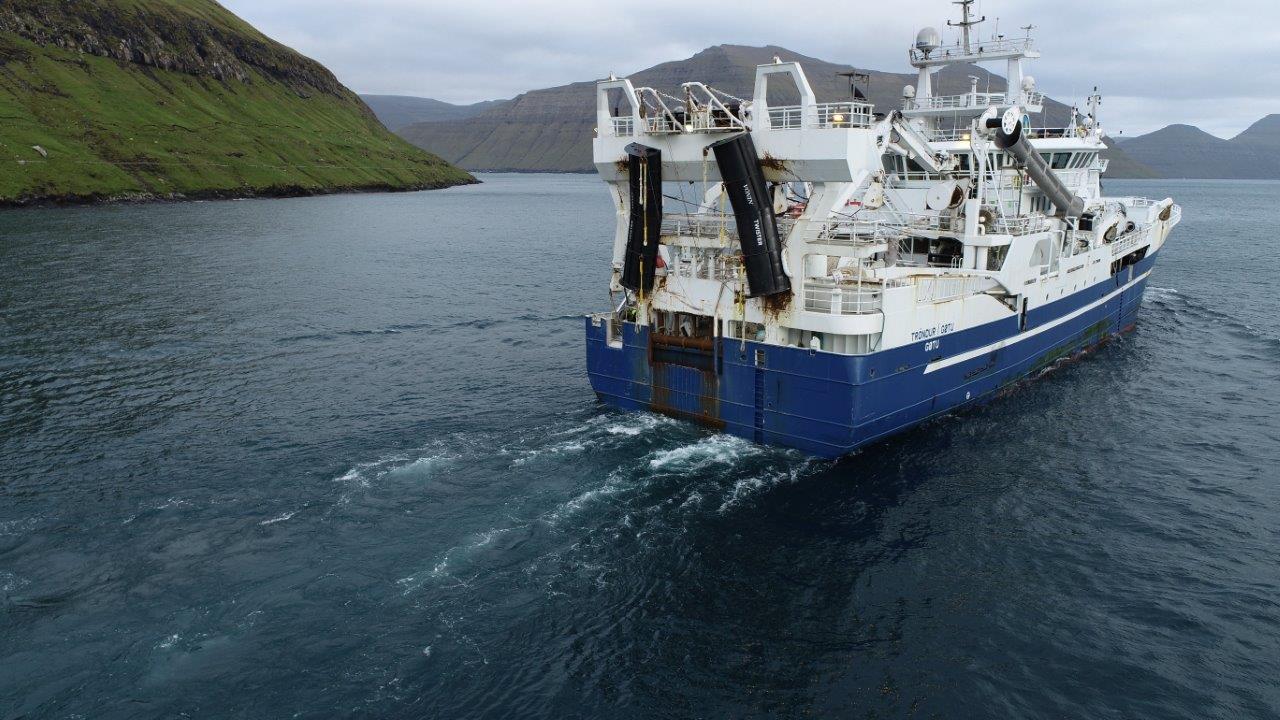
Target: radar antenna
x,y
967,23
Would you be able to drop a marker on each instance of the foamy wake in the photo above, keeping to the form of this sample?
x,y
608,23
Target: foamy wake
x,y
19,527
748,487
639,424
366,475
568,447
448,561
715,450
280,518
1161,295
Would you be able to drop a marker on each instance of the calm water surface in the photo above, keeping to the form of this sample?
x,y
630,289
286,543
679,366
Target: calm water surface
x,y
338,457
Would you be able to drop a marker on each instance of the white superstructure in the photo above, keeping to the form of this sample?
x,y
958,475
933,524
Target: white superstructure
x,y
899,224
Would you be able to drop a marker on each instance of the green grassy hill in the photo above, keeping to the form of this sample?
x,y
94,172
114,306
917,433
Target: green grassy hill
x,y
117,99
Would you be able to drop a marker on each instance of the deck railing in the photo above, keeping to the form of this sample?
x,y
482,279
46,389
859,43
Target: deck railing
x,y
944,288
830,298
699,225
970,101
977,49
826,116
1129,241
1018,226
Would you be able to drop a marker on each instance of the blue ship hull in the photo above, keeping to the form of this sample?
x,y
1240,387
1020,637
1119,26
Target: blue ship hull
x,y
830,405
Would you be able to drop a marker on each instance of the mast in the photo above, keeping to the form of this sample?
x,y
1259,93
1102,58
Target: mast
x,y
968,22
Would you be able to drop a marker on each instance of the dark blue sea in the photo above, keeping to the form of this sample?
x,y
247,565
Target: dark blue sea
x,y
338,457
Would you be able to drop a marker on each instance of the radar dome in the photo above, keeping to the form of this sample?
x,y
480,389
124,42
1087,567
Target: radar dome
x,y
928,40
1028,84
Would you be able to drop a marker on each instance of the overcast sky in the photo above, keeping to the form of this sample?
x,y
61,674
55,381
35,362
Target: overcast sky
x,y
1211,63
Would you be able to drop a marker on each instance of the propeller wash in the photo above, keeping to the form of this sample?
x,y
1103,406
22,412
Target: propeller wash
x,y
845,274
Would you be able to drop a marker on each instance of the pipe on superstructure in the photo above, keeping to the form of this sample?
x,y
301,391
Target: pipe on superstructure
x,y
1011,137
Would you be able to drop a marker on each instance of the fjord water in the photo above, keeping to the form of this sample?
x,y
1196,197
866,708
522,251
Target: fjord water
x,y
338,457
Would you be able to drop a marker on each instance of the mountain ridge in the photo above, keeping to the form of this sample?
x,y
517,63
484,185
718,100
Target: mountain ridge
x,y
1186,151
550,129
400,111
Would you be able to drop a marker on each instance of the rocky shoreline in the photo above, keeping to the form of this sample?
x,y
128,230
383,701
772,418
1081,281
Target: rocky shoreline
x,y
273,193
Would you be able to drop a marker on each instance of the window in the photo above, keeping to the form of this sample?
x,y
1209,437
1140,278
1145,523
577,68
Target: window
x,y
1061,161
1083,160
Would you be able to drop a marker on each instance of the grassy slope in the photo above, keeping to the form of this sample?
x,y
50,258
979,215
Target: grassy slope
x,y
114,128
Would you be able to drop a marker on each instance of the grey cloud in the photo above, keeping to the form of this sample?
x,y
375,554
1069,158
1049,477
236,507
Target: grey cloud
x,y
1160,62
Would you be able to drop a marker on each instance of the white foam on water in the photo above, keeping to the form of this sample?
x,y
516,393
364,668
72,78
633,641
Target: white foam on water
x,y
693,501
715,450
279,519
425,465
568,447
612,486
639,424
459,552
748,487
365,475
169,642
22,526
10,582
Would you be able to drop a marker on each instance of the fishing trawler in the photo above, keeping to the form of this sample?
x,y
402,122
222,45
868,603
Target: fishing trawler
x,y
841,274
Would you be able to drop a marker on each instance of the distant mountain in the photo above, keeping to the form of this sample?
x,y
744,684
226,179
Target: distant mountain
x,y
108,99
400,111
1123,165
1183,151
1262,135
550,130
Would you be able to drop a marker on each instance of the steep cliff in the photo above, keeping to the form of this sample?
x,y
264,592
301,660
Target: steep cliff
x,y
118,99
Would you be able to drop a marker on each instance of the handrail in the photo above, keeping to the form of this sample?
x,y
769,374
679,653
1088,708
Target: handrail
x,y
699,225
840,232
831,298
1129,241
961,133
840,115
977,48
970,101
1023,225
944,288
